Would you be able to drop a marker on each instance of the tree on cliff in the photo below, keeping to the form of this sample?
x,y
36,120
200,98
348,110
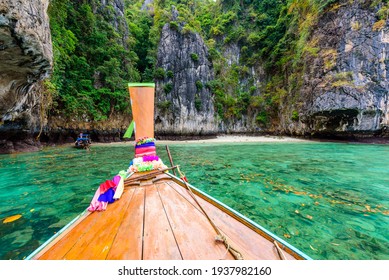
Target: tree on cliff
x,y
92,65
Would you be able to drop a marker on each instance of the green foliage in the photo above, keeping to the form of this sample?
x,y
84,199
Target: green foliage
x,y
168,88
159,73
342,79
170,74
383,12
195,57
187,16
197,102
94,60
262,118
141,26
213,53
199,85
164,106
174,25
295,116
92,66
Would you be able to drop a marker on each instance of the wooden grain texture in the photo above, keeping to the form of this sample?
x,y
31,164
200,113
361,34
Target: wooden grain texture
x,y
128,244
254,245
194,234
159,221
142,104
59,247
159,241
96,242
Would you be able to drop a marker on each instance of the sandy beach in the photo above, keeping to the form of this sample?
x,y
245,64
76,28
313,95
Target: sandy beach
x,y
218,139
238,139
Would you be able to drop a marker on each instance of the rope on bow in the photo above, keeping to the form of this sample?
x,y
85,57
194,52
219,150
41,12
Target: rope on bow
x,y
220,236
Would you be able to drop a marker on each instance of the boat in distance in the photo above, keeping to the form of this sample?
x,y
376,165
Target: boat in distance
x,y
155,214
83,141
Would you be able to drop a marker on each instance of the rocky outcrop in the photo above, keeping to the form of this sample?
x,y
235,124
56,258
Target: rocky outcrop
x,y
147,5
63,130
25,59
184,104
345,89
254,77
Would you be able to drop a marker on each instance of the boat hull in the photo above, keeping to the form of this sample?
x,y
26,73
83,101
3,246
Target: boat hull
x,y
158,219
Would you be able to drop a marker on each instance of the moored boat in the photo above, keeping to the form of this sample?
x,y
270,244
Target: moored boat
x,y
155,215
83,141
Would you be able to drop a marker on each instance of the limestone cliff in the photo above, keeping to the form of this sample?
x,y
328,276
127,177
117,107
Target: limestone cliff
x,y
184,105
25,59
342,90
255,76
345,89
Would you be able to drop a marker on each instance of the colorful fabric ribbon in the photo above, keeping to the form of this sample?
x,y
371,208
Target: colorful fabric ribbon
x,y
119,189
147,166
144,150
95,204
107,196
108,192
150,158
151,144
145,154
106,186
144,140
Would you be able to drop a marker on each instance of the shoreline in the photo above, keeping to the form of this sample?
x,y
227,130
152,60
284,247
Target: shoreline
x,y
31,146
239,139
218,139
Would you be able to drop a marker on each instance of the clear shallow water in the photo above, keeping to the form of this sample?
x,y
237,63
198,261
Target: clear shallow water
x,y
330,200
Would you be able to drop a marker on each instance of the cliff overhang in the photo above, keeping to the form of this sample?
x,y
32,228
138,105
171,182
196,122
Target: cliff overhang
x,y
25,60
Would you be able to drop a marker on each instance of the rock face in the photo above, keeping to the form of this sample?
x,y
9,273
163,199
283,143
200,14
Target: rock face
x,y
147,5
345,89
184,105
246,123
25,59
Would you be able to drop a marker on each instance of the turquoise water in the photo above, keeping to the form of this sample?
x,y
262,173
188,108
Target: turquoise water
x,y
330,200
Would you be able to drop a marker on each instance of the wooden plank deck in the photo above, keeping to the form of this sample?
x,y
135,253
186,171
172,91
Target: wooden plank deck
x,y
129,246
250,244
157,221
159,240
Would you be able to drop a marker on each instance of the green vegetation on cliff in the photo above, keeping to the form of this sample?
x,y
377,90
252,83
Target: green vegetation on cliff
x,y
266,42
93,61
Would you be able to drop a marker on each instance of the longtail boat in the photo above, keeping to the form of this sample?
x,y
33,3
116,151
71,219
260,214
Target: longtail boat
x,y
160,216
83,141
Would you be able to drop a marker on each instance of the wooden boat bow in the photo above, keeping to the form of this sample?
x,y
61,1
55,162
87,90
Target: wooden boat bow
x,y
159,219
162,217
